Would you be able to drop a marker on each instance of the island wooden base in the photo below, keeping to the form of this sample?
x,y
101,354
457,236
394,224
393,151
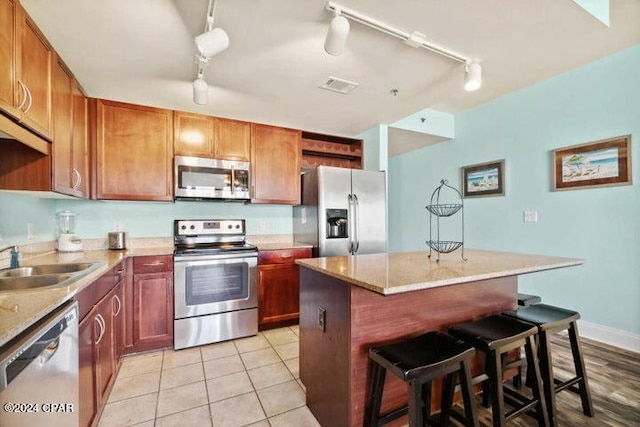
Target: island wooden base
x,y
334,362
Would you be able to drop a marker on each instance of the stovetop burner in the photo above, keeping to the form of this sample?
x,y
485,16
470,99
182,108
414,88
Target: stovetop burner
x,y
210,236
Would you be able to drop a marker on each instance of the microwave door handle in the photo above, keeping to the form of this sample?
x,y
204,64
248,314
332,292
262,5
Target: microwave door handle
x,y
233,180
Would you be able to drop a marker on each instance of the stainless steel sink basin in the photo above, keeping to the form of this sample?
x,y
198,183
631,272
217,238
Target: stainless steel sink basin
x,y
22,283
38,270
44,276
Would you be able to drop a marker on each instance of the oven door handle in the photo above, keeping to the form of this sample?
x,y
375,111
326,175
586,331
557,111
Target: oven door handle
x,y
221,257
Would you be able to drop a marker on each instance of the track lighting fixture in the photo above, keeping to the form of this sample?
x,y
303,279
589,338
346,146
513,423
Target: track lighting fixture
x,y
210,43
472,76
339,30
337,34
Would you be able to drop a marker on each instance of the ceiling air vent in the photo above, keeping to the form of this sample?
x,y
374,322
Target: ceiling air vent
x,y
335,84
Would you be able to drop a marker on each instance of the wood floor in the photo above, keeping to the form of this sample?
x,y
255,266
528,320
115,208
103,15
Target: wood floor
x,y
614,380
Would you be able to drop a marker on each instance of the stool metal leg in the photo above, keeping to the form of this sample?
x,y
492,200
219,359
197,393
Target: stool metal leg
x,y
536,381
378,376
581,372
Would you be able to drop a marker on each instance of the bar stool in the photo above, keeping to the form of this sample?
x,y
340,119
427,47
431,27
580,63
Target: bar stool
x,y
418,361
549,320
525,300
496,336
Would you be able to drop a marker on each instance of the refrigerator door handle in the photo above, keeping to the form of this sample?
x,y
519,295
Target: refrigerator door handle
x,y
350,216
356,238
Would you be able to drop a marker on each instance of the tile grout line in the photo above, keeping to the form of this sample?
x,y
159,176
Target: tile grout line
x,y
206,387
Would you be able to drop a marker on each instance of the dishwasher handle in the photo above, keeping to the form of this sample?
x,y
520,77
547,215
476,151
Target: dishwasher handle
x,y
40,342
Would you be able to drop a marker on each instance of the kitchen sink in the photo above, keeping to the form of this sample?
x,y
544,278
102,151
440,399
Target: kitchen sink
x,y
21,283
38,270
44,276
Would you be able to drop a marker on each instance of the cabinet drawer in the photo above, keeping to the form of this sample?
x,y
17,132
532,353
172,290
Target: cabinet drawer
x,y
283,256
152,264
92,294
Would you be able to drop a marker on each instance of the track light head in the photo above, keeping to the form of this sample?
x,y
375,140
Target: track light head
x,y
200,91
337,35
212,42
472,76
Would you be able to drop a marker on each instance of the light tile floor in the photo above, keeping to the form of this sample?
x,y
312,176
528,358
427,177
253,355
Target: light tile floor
x,y
245,382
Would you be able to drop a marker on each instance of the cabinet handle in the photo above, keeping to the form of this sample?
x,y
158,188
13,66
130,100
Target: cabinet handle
x,y
286,256
102,325
117,298
77,179
153,264
26,110
23,89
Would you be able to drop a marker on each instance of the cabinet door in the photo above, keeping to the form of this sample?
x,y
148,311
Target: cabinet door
x,y
117,318
80,148
8,65
36,61
104,348
63,132
193,135
134,152
87,372
275,165
233,140
278,293
152,311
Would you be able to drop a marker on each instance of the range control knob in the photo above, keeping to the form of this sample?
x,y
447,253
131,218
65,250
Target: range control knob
x,y
237,225
229,226
184,227
193,227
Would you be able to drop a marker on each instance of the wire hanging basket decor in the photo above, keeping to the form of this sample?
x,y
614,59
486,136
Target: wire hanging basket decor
x,y
439,210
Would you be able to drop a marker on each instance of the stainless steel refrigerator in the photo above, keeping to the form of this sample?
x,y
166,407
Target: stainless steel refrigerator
x,y
343,211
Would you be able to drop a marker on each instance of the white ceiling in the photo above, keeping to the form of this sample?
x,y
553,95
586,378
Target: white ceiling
x,y
142,51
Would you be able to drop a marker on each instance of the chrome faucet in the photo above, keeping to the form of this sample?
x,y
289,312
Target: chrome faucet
x,y
15,263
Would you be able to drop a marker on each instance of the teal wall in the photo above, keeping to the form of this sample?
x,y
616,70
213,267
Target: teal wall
x,y
139,219
601,225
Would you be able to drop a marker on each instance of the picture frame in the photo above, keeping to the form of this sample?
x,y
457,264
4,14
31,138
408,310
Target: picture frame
x,y
602,163
483,179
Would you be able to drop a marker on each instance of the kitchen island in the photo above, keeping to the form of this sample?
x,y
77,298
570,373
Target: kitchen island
x,y
349,304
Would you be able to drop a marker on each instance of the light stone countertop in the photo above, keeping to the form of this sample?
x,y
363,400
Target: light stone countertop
x,y
392,273
21,309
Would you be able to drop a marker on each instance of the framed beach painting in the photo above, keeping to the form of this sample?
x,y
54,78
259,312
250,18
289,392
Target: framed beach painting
x,y
595,164
484,179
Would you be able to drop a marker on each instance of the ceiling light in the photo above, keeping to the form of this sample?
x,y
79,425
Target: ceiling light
x,y
200,91
338,32
472,76
337,35
211,43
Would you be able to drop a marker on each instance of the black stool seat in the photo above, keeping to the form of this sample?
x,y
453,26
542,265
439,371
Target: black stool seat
x,y
496,336
527,299
550,319
418,361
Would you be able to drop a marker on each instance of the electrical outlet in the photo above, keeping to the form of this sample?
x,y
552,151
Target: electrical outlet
x,y
31,234
322,319
262,226
530,216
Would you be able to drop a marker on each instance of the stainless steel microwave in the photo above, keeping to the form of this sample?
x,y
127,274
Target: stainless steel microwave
x,y
200,178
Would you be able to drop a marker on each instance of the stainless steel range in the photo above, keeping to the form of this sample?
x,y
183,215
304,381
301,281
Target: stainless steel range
x,y
216,291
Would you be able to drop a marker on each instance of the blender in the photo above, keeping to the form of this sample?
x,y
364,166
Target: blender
x,y
67,240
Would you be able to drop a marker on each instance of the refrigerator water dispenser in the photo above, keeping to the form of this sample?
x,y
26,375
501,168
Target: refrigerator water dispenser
x,y
337,224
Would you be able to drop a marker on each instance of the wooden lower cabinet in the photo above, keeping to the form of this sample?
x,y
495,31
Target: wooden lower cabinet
x,y
150,320
278,287
100,334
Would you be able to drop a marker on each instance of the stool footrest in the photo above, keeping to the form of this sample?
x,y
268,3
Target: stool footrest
x,y
562,385
513,398
393,415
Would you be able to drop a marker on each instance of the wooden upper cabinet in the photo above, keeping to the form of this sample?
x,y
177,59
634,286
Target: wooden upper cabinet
x,y
134,152
193,135
275,165
80,138
233,140
211,137
8,58
70,148
26,61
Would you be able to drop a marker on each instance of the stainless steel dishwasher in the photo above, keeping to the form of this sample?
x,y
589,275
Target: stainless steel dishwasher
x,y
39,373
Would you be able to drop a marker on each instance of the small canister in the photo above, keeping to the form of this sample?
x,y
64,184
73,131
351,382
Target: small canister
x,y
117,240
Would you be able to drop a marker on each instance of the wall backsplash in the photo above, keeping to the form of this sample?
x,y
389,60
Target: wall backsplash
x,y
138,219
